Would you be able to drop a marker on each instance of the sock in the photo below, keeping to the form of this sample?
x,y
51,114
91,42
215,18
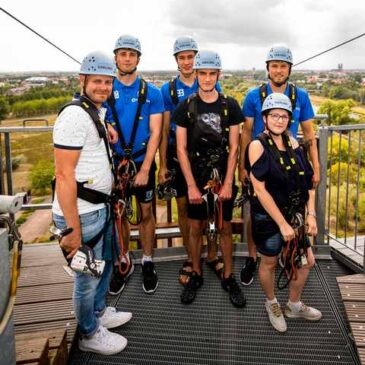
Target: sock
x,y
125,257
146,258
295,306
272,301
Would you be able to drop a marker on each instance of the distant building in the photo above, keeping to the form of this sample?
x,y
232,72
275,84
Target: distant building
x,y
36,81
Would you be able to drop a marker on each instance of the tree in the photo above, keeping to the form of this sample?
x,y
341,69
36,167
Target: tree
x,y
4,108
338,111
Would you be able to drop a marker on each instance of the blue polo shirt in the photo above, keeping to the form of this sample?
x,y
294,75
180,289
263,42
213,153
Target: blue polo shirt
x,y
126,102
183,91
252,109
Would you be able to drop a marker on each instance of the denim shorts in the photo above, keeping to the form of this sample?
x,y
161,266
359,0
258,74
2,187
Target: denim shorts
x,y
266,234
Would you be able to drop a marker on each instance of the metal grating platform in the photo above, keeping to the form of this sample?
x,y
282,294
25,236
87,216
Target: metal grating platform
x,y
211,331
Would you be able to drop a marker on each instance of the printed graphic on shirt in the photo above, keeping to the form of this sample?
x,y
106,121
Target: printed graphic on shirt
x,y
213,120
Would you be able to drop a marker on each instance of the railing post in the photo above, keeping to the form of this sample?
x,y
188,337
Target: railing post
x,y
321,191
8,164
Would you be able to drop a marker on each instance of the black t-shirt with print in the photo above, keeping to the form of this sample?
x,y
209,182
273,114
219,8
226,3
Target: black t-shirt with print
x,y
206,136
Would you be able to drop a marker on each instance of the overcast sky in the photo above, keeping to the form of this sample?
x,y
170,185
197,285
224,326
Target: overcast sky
x,y
242,31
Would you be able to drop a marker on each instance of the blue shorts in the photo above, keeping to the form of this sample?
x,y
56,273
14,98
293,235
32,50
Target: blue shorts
x,y
266,234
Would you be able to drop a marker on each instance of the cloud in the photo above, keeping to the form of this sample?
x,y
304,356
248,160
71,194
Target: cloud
x,y
237,22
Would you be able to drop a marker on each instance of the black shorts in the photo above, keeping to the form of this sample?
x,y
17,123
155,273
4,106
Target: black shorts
x,y
199,211
179,183
146,193
266,234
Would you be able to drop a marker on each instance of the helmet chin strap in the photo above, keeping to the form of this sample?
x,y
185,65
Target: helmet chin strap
x,y
185,74
123,73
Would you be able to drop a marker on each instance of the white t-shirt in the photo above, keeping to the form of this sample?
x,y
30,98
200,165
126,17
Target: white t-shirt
x,y
75,130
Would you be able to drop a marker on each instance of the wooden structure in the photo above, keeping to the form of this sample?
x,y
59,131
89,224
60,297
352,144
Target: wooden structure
x,y
352,289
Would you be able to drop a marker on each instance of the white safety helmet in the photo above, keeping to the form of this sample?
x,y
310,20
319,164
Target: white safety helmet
x,y
276,101
97,63
185,43
207,60
129,42
280,53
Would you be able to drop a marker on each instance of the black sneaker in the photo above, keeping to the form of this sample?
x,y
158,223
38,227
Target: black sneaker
x,y
118,281
235,294
150,280
189,293
248,271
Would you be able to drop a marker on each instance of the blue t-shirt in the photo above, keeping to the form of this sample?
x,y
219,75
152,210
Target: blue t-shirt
x,y
252,109
126,102
183,91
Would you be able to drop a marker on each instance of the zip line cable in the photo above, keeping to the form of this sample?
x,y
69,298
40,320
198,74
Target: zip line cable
x,y
39,35
330,49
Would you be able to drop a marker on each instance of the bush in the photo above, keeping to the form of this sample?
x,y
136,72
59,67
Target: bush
x,y
41,176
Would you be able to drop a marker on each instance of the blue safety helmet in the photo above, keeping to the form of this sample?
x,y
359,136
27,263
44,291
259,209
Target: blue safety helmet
x,y
97,63
277,101
185,43
280,53
128,42
207,60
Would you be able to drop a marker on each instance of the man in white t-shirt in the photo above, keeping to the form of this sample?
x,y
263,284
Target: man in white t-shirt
x,y
82,165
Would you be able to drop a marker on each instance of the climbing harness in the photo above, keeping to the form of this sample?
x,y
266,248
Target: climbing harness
x,y
294,253
165,191
213,205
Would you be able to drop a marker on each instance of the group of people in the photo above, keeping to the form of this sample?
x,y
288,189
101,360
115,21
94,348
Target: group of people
x,y
106,140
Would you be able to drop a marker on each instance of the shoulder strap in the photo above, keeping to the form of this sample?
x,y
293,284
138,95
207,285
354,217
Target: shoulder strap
x,y
173,91
224,110
192,102
293,95
142,97
263,92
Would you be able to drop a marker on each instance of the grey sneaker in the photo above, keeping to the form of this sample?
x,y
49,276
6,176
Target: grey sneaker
x,y
276,316
309,313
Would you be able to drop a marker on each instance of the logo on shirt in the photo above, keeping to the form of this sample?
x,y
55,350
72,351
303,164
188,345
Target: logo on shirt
x,y
180,92
213,120
116,94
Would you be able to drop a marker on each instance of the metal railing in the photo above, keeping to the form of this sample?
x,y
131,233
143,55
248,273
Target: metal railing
x,y
341,193
338,221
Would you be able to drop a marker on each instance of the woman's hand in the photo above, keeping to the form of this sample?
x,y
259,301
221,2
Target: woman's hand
x,y
311,225
287,231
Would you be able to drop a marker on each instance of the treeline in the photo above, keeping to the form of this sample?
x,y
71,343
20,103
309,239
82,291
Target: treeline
x,y
38,107
40,93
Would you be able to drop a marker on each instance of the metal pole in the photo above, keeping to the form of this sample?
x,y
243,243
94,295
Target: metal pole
x,y
7,346
2,190
8,164
321,190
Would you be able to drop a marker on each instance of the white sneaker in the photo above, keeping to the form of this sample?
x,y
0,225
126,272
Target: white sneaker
x,y
103,342
111,318
309,313
276,316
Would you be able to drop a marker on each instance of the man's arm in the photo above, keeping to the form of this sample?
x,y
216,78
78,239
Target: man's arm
x,y
163,146
310,138
194,194
66,189
152,145
226,191
246,138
